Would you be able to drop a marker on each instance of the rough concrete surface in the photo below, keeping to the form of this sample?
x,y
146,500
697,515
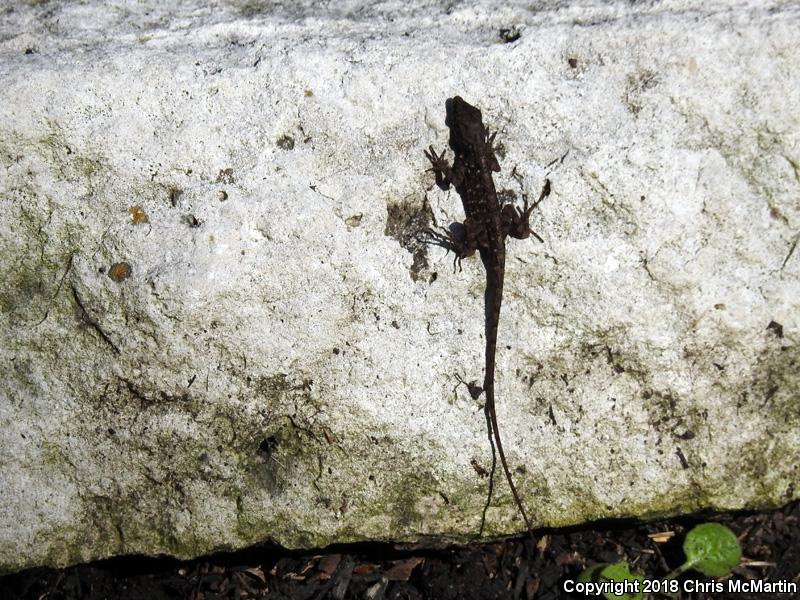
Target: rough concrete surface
x,y
218,324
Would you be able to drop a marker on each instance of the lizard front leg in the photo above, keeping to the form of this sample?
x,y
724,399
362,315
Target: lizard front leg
x,y
445,174
440,167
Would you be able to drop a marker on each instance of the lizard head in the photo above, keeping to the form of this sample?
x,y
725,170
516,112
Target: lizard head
x,y
466,126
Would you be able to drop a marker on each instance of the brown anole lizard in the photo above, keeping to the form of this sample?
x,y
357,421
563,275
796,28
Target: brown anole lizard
x,y
486,226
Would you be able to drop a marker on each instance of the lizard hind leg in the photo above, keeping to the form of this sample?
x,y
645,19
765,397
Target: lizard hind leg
x,y
516,223
454,238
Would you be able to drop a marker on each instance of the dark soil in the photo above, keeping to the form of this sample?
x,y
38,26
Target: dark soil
x,y
770,543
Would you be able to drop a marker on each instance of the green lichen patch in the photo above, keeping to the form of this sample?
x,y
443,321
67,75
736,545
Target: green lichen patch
x,y
35,267
189,458
71,162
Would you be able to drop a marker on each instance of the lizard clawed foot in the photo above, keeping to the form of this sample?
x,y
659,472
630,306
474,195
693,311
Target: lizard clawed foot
x,y
438,162
439,237
440,167
490,148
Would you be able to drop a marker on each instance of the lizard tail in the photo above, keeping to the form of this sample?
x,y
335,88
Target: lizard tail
x,y
488,502
495,432
493,301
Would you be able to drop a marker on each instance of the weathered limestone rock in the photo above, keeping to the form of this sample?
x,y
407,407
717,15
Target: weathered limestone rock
x,y
218,325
